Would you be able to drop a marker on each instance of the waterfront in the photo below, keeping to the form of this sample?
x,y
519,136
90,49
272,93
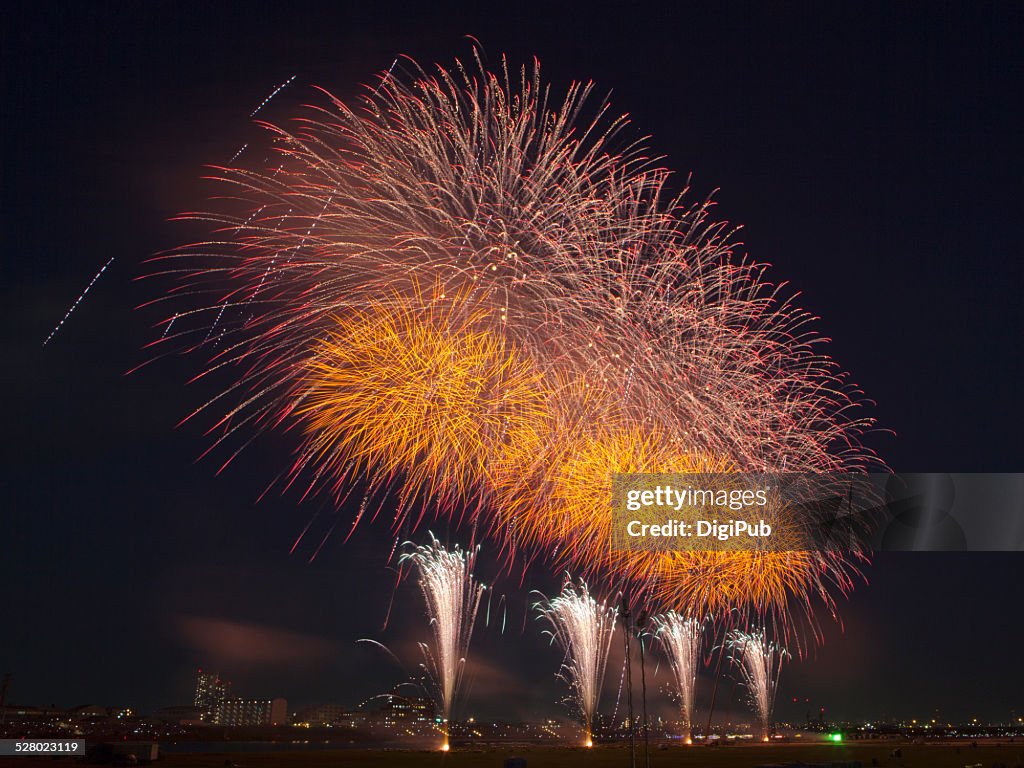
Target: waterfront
x,y
940,755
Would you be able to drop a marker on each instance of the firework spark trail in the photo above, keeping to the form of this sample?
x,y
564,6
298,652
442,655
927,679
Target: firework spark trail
x,y
388,651
78,301
167,329
680,638
261,105
452,597
220,313
386,75
583,628
501,229
760,662
273,93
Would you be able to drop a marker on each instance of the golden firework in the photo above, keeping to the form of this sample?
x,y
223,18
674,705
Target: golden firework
x,y
583,321
428,393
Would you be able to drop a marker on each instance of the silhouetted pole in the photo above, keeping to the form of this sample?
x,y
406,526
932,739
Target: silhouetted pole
x,y
714,695
626,630
641,622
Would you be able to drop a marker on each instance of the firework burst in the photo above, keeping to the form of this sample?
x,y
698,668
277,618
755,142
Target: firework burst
x,y
462,287
680,638
452,596
583,628
760,663
430,397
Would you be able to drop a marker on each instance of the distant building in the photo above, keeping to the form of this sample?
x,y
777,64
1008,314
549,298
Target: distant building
x,y
250,712
210,689
181,715
325,714
409,708
19,710
89,710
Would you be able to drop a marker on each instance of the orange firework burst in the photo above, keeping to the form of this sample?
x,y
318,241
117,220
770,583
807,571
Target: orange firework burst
x,y
431,396
581,321
712,583
572,507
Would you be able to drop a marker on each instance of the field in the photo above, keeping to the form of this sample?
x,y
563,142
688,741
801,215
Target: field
x,y
1010,755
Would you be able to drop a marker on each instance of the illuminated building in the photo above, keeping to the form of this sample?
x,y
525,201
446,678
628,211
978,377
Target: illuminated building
x,y
249,712
325,714
209,690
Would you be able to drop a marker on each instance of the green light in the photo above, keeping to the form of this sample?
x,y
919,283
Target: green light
x,y
836,737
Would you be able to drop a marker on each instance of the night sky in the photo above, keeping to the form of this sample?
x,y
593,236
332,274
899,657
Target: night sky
x,y
872,153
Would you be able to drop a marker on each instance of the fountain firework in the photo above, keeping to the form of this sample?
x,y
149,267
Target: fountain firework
x,y
452,597
760,662
583,628
680,638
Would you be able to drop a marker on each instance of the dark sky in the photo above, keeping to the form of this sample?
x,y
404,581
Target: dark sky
x,y
872,151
